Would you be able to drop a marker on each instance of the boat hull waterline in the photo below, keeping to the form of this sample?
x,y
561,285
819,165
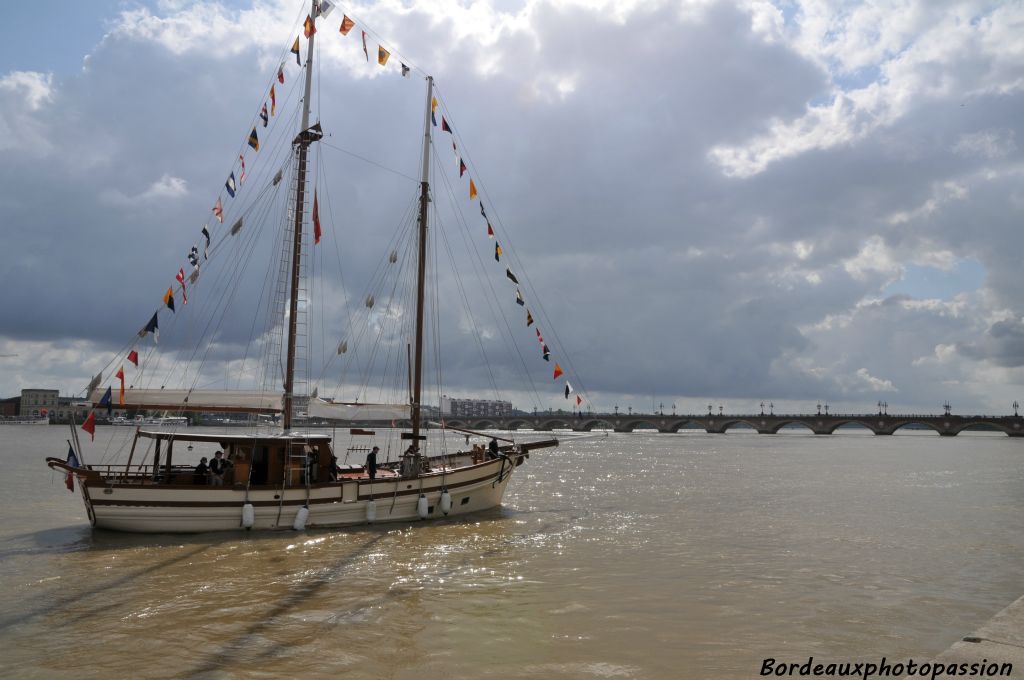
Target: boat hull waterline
x,y
194,509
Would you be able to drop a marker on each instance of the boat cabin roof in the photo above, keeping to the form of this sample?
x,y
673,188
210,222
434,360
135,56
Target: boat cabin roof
x,y
269,438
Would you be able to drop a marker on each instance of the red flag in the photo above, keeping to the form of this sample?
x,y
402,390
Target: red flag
x,y
181,280
579,400
444,125
273,100
120,376
316,218
346,25
364,47
308,27
133,357
462,168
558,372
490,232
90,425
280,77
218,211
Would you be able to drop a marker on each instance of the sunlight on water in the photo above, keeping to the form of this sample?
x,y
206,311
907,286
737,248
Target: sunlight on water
x,y
626,556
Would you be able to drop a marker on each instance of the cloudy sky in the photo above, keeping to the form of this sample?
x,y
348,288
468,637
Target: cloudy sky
x,y
714,201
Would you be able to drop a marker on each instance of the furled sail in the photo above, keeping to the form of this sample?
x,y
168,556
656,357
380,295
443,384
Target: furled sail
x,y
238,401
318,408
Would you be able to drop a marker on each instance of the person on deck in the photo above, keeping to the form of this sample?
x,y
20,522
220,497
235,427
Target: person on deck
x,y
333,471
492,449
200,474
371,462
217,468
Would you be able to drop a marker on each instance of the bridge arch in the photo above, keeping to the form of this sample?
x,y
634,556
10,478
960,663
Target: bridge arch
x,y
594,423
739,423
685,424
983,426
518,424
862,425
803,424
918,425
632,425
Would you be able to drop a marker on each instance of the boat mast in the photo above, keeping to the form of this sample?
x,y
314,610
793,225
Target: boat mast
x,y
422,270
301,144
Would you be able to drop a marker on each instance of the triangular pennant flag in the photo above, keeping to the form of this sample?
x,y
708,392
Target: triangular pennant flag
x,y
444,125
472,190
365,51
206,235
236,227
579,400
433,108
90,425
107,400
519,298
346,25
254,141
538,336
558,372
69,478
382,55
323,8
529,318
169,299
316,218
490,232
133,357
482,212
264,116
280,75
218,211
152,327
273,101
511,276
497,252
405,71
181,280
308,26
462,167
230,185
568,389
120,375
241,159
546,352
295,50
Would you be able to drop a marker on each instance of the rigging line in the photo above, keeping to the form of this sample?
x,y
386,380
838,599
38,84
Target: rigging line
x,y
513,252
371,162
372,33
258,204
481,273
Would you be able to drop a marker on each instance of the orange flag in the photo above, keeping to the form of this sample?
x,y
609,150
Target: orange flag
x,y
346,25
273,101
558,372
120,375
472,190
308,27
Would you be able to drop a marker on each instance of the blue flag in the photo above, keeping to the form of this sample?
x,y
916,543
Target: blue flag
x,y
230,185
107,401
151,327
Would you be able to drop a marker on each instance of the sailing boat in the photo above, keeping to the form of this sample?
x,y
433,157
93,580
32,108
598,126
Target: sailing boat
x,y
288,477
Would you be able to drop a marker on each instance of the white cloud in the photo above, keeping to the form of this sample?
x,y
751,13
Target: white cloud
x,y
167,187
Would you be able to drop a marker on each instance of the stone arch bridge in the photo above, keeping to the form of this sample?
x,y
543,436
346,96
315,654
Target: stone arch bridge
x,y
881,424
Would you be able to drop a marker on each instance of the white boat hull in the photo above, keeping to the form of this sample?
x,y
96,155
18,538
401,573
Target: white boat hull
x,y
180,508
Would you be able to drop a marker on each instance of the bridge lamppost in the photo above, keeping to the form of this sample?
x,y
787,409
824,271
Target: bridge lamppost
x,y
630,408
662,406
1015,407
819,408
709,409
771,408
674,408
879,407
826,408
616,409
946,406
719,409
762,408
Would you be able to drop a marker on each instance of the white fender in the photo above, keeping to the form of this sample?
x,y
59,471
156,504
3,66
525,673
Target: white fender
x,y
421,507
248,515
300,518
371,511
446,502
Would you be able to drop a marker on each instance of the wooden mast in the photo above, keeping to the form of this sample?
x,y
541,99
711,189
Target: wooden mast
x,y
417,393
301,144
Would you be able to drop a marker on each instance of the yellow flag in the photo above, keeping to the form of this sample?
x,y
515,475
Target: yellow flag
x,y
382,55
472,190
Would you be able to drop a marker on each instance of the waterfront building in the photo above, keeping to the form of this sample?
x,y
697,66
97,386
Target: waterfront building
x,y
475,408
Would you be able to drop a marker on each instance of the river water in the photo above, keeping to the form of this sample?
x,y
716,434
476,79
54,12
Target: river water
x,y
626,556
